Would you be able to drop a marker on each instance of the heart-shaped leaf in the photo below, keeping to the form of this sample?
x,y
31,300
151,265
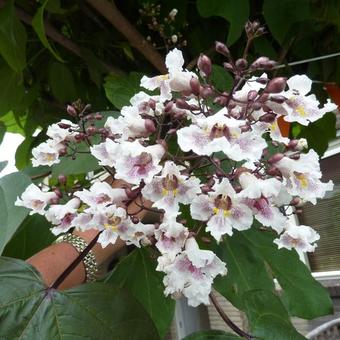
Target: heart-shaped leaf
x,y
90,311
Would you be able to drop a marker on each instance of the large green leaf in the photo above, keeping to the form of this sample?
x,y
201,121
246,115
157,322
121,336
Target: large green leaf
x,y
246,270
236,12
211,335
319,133
12,90
62,82
268,317
12,38
33,235
137,272
281,15
221,78
11,216
91,311
38,26
3,165
82,164
302,294
2,131
119,89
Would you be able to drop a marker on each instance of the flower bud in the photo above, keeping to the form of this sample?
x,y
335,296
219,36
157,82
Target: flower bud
x,y
64,126
58,192
252,95
79,137
195,86
292,144
221,100
245,128
182,104
273,171
205,188
268,117
134,219
222,49
256,106
54,200
91,130
276,85
275,158
204,65
296,201
152,104
169,107
241,64
98,116
62,179
63,151
131,194
205,239
206,92
172,131
71,110
278,99
228,67
149,125
263,63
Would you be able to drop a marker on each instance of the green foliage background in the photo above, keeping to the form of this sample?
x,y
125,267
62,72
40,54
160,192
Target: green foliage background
x,y
40,76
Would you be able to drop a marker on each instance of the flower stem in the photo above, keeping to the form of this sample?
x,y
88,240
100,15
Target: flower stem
x,y
226,319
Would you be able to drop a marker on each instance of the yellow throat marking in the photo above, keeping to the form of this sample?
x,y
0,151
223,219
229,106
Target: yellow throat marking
x,y
226,213
110,226
301,111
303,180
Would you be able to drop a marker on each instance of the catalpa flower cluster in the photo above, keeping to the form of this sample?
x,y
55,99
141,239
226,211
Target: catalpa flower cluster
x,y
211,162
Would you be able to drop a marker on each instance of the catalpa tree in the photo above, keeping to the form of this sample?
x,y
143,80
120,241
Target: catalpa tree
x,y
221,181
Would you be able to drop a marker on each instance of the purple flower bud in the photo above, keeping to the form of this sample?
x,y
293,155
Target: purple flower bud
x,y
182,104
206,188
62,179
292,144
63,151
134,219
296,201
98,116
273,171
276,85
204,65
268,117
152,104
172,131
228,67
195,86
79,137
278,99
222,49
54,200
206,92
91,130
149,125
58,192
252,95
71,110
169,107
241,64
275,158
256,106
